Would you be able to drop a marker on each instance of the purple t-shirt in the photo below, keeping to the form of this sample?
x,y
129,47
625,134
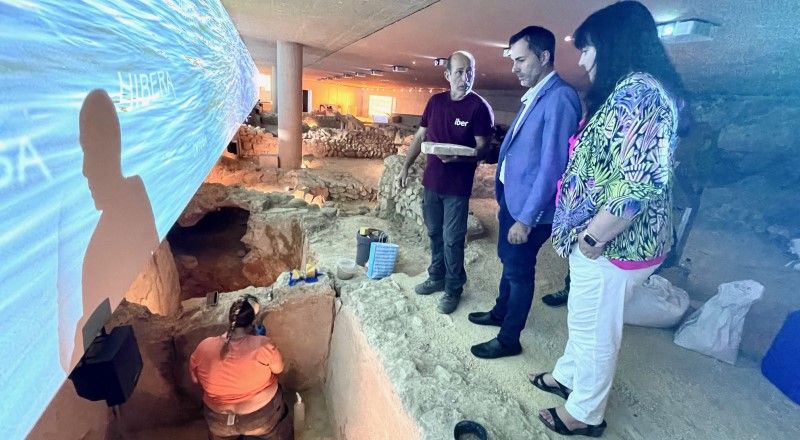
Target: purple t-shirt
x,y
454,122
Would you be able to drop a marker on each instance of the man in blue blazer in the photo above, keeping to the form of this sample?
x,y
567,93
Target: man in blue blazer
x,y
533,157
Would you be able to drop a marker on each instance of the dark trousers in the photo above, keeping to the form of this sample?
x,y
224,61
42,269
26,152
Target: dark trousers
x,y
517,281
273,421
446,219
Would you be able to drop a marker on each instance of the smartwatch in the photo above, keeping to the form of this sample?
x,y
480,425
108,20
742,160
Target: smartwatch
x,y
591,241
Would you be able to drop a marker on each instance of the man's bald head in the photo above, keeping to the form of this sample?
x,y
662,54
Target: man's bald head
x,y
462,55
460,73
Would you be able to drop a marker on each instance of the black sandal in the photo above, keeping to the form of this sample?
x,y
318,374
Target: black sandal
x,y
559,427
559,390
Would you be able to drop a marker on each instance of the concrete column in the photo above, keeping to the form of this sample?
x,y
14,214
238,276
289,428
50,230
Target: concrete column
x,y
290,83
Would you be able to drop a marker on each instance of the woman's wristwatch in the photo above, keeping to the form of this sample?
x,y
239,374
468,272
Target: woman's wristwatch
x,y
591,241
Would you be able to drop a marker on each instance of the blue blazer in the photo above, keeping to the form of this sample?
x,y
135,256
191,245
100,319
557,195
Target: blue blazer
x,y
536,156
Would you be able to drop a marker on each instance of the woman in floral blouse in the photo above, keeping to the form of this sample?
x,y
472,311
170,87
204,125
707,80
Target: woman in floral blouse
x,y
614,210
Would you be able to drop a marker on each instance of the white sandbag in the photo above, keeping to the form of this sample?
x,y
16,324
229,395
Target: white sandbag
x,y
656,303
716,328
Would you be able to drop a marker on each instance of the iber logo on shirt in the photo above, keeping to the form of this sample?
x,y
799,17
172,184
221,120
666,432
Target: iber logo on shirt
x,y
461,123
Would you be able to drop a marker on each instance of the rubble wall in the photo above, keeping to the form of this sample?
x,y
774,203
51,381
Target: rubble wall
x,y
404,205
255,141
369,142
320,186
401,204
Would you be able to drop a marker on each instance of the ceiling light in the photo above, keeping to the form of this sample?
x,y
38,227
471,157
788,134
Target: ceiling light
x,y
568,38
360,75
440,61
687,30
506,52
376,72
401,69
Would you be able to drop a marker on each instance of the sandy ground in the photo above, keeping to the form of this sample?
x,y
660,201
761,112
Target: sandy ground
x,y
661,391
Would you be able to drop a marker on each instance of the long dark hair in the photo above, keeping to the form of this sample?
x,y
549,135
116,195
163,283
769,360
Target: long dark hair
x,y
241,314
625,38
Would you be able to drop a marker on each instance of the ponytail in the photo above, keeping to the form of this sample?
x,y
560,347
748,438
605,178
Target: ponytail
x,y
233,316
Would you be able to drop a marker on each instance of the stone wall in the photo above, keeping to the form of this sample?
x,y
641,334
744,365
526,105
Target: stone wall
x,y
401,204
369,142
256,141
319,186
404,205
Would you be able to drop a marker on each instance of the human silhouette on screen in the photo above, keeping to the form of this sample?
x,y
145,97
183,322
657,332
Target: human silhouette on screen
x,y
125,236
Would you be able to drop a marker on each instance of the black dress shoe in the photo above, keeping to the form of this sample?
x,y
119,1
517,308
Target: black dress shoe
x,y
484,318
494,349
557,299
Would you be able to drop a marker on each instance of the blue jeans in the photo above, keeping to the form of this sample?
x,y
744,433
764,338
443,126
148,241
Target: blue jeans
x,y
517,281
446,219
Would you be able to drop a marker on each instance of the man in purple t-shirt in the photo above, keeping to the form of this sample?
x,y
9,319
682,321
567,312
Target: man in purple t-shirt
x,y
461,117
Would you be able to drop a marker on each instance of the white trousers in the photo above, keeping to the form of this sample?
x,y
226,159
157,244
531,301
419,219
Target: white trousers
x,y
597,294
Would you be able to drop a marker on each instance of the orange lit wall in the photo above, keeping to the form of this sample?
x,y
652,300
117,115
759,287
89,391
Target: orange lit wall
x,y
409,102
265,87
349,98
355,100
412,102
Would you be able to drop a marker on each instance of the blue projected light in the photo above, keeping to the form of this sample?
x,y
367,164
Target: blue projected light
x,y
112,114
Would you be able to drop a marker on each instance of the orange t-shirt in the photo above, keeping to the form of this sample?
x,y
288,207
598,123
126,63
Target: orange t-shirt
x,y
243,373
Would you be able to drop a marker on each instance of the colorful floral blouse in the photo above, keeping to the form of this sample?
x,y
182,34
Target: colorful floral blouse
x,y
623,163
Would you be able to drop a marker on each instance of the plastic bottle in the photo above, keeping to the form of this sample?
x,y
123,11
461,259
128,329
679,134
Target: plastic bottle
x,y
299,415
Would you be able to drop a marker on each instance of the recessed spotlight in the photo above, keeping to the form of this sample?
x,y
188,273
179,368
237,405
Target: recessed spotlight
x,y
401,69
568,38
506,52
440,61
414,62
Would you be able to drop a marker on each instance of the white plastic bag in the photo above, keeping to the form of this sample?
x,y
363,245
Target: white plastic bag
x,y
656,303
716,328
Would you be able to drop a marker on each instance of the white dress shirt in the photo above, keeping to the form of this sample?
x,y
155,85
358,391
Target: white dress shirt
x,y
527,99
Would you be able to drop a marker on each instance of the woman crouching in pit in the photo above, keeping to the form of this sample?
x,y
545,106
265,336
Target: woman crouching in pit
x,y
238,372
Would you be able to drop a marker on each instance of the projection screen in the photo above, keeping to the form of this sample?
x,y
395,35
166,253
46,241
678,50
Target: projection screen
x,y
112,113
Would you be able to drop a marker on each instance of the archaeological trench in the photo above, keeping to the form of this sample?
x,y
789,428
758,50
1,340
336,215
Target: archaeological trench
x,y
372,360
